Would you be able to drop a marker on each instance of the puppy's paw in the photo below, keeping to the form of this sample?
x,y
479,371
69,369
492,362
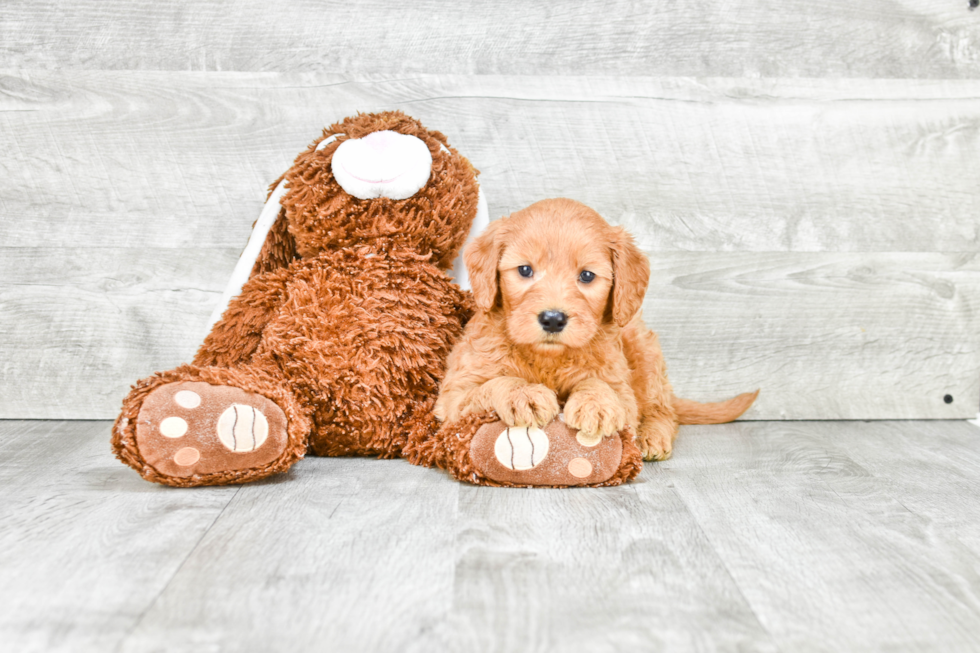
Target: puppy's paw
x,y
595,414
528,405
656,440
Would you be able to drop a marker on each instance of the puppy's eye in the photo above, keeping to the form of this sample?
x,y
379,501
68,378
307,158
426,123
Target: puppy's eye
x,y
586,276
525,270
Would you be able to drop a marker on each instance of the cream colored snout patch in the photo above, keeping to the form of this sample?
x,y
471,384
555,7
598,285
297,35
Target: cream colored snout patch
x,y
382,164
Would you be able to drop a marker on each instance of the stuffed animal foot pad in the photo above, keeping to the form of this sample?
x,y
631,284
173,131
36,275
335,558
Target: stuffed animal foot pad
x,y
554,456
193,428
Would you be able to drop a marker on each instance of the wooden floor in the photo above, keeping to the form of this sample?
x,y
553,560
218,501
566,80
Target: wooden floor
x,y
792,536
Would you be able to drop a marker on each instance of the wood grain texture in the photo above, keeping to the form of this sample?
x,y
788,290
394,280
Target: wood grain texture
x,y
613,569
82,325
813,537
803,536
183,160
826,336
944,467
85,544
341,555
853,336
789,38
762,204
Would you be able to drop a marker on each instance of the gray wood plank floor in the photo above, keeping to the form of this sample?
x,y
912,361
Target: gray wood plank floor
x,y
793,536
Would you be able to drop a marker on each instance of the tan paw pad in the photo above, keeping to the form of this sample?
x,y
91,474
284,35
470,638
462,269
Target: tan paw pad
x,y
173,427
187,399
579,467
191,427
187,456
553,456
587,441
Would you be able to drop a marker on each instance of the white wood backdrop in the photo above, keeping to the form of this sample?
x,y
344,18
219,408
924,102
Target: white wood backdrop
x,y
802,175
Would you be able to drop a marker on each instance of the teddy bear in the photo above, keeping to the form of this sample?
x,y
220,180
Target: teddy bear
x,y
338,336
333,333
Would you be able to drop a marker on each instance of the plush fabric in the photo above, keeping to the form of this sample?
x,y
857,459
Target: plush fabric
x,y
344,325
450,446
257,242
124,436
338,341
399,174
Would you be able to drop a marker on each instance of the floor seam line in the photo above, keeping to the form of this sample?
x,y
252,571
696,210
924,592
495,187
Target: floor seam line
x,y
724,566
151,604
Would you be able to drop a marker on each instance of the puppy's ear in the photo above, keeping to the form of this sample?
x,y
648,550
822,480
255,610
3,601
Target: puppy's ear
x,y
481,257
631,274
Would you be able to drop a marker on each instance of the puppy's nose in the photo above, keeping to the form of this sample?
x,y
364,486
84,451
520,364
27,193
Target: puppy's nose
x,y
552,321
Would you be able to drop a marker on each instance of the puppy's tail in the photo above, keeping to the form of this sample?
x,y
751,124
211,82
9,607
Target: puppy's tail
x,y
692,412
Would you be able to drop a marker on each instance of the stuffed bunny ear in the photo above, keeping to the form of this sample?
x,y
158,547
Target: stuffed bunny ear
x,y
279,249
480,224
270,246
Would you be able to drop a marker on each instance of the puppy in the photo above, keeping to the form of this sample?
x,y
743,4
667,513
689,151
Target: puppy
x,y
559,294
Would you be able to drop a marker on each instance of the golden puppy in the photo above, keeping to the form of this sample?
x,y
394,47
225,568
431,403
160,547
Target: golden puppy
x,y
559,294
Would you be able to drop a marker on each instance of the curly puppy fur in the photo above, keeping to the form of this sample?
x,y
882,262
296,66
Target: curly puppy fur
x,y
604,365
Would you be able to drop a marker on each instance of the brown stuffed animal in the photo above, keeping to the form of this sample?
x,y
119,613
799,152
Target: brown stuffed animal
x,y
338,339
481,449
333,335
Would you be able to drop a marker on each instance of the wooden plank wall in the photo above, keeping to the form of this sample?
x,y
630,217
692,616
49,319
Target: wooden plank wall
x,y
802,175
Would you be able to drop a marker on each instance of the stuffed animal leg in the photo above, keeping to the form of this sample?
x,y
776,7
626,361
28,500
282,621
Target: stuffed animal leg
x,y
337,322
482,450
210,426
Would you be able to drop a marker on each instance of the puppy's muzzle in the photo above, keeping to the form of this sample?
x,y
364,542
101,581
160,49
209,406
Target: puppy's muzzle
x,y
552,321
